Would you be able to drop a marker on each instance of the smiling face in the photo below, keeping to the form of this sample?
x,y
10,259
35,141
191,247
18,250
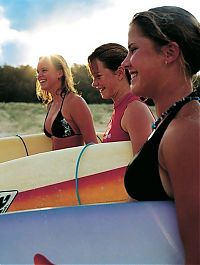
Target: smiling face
x,y
104,79
48,75
144,62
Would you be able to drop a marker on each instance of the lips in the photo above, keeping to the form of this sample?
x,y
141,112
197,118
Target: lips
x,y
101,90
133,75
42,81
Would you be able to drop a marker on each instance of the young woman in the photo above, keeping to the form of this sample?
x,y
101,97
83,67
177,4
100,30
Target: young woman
x,y
69,121
131,119
164,54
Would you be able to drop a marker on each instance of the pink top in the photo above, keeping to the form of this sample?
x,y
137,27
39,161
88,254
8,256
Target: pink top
x,y
114,131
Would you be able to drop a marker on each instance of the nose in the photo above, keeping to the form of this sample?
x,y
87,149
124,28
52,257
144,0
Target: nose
x,y
125,62
38,75
94,83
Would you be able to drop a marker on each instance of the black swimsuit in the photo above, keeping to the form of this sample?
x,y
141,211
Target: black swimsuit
x,y
142,178
60,127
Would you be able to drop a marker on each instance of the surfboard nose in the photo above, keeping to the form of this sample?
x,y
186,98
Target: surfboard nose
x,y
40,259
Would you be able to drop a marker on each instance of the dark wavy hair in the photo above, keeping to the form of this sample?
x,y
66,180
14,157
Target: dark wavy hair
x,y
111,55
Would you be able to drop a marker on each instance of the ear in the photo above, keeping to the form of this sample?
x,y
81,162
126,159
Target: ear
x,y
120,72
60,73
171,52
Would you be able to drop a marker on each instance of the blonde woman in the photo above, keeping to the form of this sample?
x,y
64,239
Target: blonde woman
x,y
68,121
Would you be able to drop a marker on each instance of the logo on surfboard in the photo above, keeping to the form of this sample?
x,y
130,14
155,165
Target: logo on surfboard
x,y
6,198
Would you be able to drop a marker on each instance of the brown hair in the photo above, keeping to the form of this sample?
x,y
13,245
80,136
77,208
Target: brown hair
x,y
111,55
171,23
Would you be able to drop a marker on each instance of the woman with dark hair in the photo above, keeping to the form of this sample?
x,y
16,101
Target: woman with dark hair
x,y
131,118
164,54
69,121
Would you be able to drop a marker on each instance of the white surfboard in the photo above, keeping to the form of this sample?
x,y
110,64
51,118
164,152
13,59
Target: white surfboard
x,y
80,175
17,146
119,233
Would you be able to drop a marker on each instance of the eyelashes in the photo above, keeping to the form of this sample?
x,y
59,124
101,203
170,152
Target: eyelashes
x,y
132,49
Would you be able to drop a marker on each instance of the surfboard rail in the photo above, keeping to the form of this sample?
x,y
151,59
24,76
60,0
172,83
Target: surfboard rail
x,y
52,179
19,145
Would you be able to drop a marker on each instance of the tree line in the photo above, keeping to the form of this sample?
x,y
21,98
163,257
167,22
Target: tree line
x,y
17,84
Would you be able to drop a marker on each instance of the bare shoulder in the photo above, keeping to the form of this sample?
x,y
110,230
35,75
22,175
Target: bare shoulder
x,y
181,140
186,124
76,99
138,108
74,105
138,104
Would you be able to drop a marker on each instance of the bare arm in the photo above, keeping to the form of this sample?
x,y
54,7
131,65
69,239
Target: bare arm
x,y
82,116
137,121
181,158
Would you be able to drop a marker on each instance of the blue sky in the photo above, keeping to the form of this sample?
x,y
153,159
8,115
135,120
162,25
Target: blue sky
x,y
72,28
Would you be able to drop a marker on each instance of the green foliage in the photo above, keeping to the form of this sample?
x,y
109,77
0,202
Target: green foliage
x,y
17,84
196,83
83,84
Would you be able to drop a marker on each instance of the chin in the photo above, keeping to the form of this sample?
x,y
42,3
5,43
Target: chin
x,y
44,88
104,97
134,89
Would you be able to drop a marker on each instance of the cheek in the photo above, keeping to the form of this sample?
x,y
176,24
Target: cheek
x,y
53,77
109,83
136,60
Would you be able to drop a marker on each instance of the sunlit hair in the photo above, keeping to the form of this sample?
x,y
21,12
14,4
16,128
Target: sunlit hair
x,y
67,83
111,55
170,23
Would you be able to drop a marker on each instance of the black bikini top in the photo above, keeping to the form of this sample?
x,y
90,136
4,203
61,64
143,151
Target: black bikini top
x,y
142,179
60,127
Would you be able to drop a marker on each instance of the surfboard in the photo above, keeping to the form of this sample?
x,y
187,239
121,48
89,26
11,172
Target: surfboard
x,y
17,146
116,233
80,175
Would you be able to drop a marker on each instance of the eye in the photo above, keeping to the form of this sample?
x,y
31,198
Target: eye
x,y
98,76
41,71
132,49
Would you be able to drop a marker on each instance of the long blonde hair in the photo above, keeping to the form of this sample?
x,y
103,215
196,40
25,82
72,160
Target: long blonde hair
x,y
67,83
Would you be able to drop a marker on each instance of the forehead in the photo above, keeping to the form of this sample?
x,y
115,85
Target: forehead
x,y
135,33
45,63
96,66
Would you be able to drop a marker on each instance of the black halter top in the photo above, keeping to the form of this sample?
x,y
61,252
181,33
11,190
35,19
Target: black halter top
x,y
142,179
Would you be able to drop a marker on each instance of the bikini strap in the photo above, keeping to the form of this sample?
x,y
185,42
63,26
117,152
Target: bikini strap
x,y
63,97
